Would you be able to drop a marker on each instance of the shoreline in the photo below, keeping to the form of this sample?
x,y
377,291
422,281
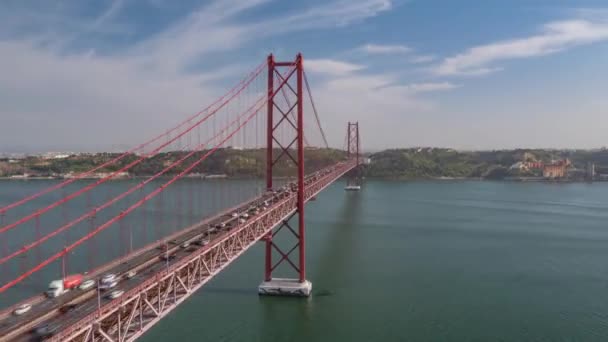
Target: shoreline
x,y
408,179
212,177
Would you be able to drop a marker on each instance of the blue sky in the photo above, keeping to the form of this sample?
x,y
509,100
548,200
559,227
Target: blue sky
x,y
465,74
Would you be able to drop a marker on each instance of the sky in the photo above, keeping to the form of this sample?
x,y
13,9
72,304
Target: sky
x,y
93,75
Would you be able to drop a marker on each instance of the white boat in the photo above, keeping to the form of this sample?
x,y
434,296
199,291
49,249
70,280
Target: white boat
x,y
352,187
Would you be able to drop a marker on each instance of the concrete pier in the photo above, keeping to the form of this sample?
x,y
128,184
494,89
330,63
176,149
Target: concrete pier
x,y
285,287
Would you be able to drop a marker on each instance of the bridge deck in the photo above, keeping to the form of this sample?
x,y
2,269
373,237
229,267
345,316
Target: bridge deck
x,y
147,296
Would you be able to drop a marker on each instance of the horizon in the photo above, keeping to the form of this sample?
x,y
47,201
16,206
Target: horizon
x,y
4,154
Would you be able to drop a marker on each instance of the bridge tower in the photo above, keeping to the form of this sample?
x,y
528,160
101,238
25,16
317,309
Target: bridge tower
x,y
280,83
353,181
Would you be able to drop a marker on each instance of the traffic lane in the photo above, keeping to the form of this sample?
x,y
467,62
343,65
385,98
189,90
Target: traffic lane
x,y
63,321
271,197
91,303
50,304
89,306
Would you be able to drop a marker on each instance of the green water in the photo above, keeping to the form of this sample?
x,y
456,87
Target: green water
x,y
426,261
421,261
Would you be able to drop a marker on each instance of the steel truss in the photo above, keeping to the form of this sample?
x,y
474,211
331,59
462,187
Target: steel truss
x,y
128,317
294,150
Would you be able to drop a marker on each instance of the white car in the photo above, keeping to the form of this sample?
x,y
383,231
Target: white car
x,y
115,294
87,284
21,309
235,215
131,274
185,244
108,285
108,278
241,220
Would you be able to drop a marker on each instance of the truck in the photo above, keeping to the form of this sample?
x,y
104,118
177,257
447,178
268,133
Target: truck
x,y
61,286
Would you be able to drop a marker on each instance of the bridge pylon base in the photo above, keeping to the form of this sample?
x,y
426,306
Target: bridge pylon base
x,y
285,287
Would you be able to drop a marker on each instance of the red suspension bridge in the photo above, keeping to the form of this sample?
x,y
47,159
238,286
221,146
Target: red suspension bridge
x,y
153,241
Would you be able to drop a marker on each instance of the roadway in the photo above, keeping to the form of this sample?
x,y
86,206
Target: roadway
x,y
146,264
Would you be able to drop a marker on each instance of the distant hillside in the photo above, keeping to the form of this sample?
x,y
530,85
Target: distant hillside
x,y
227,161
417,163
408,163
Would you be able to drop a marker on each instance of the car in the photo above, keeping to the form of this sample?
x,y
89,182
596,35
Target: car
x,y
115,294
185,244
201,242
44,331
87,284
131,274
67,308
212,230
235,215
108,285
242,220
108,278
245,215
167,256
21,309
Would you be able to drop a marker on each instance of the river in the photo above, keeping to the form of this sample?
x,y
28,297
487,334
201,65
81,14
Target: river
x,y
425,261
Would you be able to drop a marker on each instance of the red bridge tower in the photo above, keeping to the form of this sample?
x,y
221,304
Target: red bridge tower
x,y
294,69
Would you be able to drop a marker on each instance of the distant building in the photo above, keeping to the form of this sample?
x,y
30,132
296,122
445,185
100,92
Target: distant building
x,y
519,166
536,165
557,169
60,156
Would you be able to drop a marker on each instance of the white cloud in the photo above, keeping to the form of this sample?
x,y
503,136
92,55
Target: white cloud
x,y
422,59
384,109
333,13
131,92
427,87
330,66
112,10
555,37
376,49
